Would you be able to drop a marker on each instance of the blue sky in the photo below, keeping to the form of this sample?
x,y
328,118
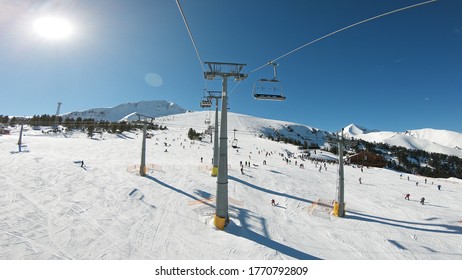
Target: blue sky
x,y
399,72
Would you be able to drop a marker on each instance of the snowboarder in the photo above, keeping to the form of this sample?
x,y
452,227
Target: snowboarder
x,y
407,196
422,200
273,202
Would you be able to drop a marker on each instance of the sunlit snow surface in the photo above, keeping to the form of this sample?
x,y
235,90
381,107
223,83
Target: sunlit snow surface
x,y
52,208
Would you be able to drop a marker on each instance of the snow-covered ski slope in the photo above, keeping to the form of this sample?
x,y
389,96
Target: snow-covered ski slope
x,y
52,208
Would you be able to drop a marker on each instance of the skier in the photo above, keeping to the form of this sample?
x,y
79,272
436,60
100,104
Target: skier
x,y
202,159
273,202
360,180
242,170
407,196
422,200
439,187
416,183
81,164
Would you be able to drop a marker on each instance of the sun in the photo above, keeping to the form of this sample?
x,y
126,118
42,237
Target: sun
x,y
53,28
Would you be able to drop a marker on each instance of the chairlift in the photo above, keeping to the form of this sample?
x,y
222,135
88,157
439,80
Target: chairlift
x,y
234,143
207,119
269,89
265,89
206,103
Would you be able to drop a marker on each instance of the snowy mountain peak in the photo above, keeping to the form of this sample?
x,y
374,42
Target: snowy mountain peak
x,y
127,111
353,130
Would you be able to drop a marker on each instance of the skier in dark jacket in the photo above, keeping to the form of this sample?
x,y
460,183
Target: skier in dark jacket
x,y
422,200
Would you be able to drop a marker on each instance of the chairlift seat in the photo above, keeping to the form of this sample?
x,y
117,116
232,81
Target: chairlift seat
x,y
234,144
268,89
206,103
274,97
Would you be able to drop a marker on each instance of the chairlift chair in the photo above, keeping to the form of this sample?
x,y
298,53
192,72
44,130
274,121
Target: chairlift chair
x,y
269,89
206,103
234,143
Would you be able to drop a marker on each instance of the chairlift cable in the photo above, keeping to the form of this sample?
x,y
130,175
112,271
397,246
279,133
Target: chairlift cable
x,y
342,29
191,37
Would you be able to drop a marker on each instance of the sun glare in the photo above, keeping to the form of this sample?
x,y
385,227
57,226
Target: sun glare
x,y
53,28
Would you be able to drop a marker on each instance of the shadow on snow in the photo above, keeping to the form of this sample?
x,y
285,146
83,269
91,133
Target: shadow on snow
x,y
245,231
177,190
445,228
269,191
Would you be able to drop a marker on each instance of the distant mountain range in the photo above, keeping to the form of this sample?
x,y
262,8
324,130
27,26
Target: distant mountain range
x,y
128,111
429,140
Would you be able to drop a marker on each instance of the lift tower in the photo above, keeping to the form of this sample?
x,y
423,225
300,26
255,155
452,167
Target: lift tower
x,y
213,94
223,70
143,143
55,125
339,205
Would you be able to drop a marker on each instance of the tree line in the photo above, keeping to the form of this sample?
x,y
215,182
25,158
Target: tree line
x,y
88,125
413,161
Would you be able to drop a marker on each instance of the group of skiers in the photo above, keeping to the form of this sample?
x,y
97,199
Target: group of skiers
x,y
422,200
407,197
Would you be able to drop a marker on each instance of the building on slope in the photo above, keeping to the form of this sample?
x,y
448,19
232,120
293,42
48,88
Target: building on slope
x,y
367,158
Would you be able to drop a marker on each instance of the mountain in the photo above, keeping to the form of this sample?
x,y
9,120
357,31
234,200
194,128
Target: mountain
x,y
128,111
429,140
353,130
277,130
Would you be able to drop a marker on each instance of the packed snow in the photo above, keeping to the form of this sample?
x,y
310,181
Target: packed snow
x,y
53,206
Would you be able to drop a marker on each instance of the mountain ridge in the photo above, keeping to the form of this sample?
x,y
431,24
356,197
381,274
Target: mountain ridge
x,y
427,139
127,111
